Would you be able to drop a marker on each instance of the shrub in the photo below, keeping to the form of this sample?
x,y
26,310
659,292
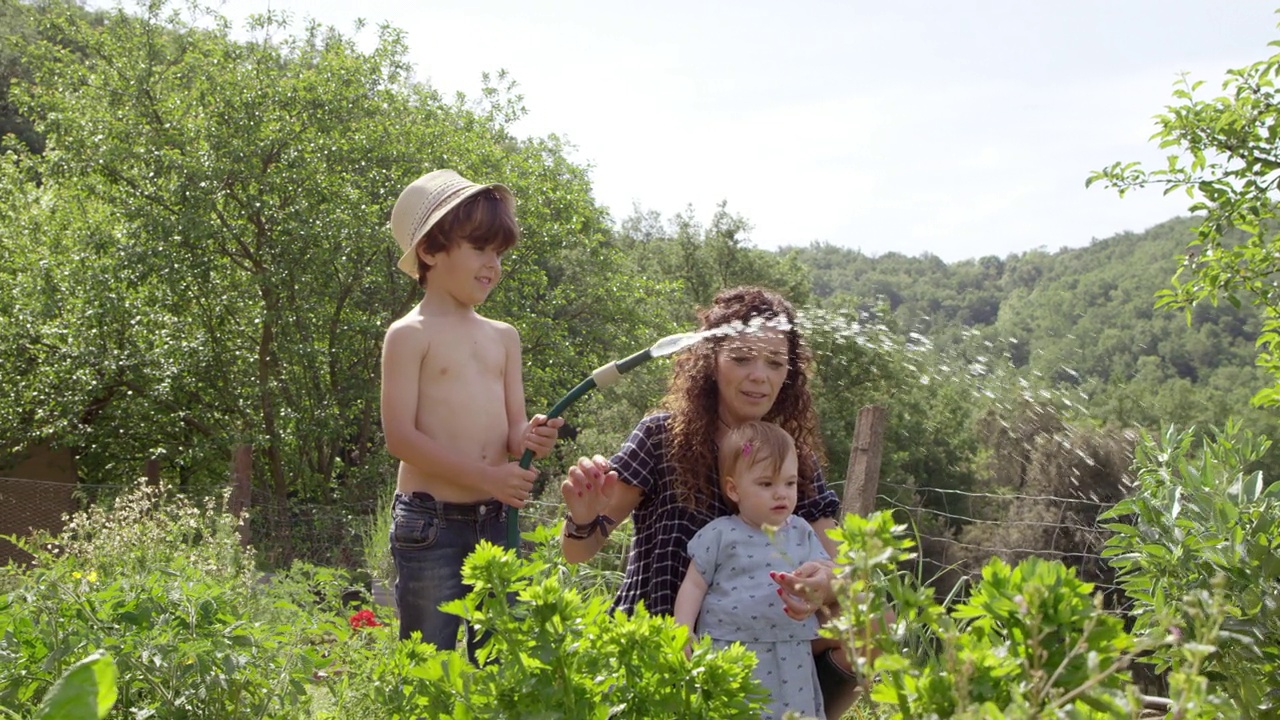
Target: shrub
x,y
553,652
1030,641
163,586
1202,526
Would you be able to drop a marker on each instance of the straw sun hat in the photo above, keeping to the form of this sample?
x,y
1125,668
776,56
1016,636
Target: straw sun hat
x,y
425,201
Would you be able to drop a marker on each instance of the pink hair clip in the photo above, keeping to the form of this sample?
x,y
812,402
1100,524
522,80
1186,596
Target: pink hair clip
x,y
746,448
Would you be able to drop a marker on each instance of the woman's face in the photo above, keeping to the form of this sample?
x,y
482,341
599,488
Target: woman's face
x,y
750,370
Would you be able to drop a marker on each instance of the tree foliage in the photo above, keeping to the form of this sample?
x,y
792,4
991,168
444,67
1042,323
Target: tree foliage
x,y
17,28
706,259
1225,154
203,260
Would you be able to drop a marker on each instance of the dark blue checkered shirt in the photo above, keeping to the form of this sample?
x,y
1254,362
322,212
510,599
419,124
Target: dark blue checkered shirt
x,y
664,526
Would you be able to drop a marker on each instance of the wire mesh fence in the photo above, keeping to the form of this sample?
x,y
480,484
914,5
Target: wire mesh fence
x,y
1044,500
959,531
28,506
348,534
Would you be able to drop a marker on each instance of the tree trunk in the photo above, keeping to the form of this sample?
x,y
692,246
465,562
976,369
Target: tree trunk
x,y
281,532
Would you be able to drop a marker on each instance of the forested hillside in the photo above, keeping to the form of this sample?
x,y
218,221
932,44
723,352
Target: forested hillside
x,y
1082,318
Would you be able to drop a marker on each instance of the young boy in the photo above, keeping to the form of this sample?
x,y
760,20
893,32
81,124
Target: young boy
x,y
453,398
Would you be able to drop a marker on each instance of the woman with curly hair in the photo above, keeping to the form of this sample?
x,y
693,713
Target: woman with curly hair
x,y
665,475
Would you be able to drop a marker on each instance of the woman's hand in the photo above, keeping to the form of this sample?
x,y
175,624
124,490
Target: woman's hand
x,y
588,488
807,589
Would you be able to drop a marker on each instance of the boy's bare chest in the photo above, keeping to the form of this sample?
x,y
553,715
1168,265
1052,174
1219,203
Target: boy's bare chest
x,y
461,360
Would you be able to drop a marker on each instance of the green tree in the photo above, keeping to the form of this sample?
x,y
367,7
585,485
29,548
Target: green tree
x,y
16,28
707,259
1224,152
237,286
202,259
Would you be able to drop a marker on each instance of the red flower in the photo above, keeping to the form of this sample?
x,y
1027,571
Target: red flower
x,y
364,619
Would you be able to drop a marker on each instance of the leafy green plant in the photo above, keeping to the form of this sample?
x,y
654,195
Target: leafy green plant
x,y
193,634
162,585
553,652
1200,522
1030,640
86,692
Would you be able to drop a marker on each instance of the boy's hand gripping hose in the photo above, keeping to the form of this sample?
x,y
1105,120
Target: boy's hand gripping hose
x,y
603,377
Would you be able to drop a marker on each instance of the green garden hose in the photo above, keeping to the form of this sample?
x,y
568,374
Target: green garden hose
x,y
603,377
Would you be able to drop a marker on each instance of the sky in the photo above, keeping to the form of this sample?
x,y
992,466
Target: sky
x,y
959,128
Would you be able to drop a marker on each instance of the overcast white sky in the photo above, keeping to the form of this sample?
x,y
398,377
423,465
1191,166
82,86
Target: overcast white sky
x,y
959,128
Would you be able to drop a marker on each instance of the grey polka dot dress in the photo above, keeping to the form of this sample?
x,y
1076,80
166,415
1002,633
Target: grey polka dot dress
x,y
742,605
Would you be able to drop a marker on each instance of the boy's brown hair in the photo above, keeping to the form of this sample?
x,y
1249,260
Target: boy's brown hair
x,y
483,220
488,219
750,444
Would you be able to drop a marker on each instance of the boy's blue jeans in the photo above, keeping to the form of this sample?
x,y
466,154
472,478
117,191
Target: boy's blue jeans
x,y
429,541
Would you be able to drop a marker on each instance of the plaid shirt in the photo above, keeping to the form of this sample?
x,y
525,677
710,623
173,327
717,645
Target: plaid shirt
x,y
664,526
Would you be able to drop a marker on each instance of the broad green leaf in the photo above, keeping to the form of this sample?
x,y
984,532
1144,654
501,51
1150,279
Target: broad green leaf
x,y
87,691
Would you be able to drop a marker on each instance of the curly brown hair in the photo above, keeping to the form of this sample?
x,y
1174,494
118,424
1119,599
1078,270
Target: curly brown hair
x,y
693,398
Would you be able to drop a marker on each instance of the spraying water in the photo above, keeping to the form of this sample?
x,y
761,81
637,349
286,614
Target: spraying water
x,y
672,344
827,332
604,376
861,359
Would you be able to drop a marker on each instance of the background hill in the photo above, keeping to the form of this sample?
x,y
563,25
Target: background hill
x,y
1082,318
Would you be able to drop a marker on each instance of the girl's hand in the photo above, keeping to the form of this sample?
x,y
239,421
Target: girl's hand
x,y
806,590
588,488
540,435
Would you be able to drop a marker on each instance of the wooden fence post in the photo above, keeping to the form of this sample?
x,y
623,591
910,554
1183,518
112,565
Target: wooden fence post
x,y
862,478
241,484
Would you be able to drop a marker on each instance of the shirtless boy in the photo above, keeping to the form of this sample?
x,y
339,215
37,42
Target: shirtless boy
x,y
453,398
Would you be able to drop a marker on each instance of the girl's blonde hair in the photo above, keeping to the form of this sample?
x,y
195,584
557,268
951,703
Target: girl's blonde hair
x,y
751,444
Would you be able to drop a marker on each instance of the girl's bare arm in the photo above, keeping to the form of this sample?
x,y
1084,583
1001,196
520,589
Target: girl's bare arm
x,y
693,590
